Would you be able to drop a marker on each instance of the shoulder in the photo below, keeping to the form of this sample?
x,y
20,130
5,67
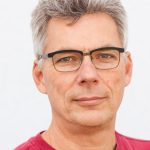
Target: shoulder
x,y
35,143
28,145
132,143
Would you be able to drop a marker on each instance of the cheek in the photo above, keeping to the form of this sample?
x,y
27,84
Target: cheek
x,y
114,79
115,83
57,85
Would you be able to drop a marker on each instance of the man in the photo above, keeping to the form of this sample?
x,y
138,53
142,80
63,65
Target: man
x,y
83,67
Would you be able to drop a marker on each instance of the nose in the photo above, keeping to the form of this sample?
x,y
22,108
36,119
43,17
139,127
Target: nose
x,y
87,74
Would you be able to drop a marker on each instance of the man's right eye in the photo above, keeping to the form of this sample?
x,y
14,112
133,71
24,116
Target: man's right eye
x,y
67,59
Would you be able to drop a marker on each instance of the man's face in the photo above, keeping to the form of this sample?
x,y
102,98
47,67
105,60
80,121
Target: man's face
x,y
87,96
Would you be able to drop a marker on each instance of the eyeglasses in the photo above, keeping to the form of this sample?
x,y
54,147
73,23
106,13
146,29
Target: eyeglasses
x,y
70,60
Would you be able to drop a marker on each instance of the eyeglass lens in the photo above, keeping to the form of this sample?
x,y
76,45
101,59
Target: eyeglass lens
x,y
70,61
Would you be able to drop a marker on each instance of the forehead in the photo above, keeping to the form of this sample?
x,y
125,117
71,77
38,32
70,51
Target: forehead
x,y
89,32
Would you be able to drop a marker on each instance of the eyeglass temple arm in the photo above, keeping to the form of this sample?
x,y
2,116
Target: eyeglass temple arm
x,y
42,56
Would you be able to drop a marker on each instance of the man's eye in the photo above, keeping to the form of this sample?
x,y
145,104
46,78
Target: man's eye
x,y
65,59
105,56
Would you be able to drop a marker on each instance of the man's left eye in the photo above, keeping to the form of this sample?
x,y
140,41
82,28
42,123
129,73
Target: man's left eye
x,y
104,56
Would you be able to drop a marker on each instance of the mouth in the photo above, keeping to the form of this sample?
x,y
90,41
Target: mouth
x,y
90,101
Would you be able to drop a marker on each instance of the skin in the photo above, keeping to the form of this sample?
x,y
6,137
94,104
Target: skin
x,y
77,123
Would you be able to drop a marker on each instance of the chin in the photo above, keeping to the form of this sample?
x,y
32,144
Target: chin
x,y
92,118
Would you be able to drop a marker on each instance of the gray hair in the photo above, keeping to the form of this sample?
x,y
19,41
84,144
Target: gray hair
x,y
47,9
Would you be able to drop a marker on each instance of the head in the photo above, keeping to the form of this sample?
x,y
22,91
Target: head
x,y
87,96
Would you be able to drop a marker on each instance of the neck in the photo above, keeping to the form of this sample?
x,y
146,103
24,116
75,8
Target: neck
x,y
75,137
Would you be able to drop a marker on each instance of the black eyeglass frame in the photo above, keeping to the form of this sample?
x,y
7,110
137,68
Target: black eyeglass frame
x,y
49,55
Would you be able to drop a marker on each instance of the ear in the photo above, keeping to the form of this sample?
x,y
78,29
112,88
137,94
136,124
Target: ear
x,y
38,77
128,68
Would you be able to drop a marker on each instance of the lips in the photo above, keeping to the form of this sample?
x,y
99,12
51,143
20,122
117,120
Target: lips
x,y
89,101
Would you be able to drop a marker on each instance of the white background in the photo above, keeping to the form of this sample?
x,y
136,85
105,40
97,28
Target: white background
x,y
24,111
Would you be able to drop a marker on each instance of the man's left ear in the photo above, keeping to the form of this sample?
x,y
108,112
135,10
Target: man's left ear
x,y
128,68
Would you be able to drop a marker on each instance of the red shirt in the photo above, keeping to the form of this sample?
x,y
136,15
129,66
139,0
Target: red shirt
x,y
123,143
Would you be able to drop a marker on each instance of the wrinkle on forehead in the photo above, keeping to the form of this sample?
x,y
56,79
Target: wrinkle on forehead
x,y
91,31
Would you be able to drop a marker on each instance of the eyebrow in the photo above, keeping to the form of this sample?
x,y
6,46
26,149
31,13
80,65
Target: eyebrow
x,y
71,48
80,51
